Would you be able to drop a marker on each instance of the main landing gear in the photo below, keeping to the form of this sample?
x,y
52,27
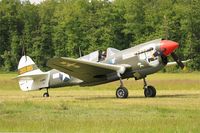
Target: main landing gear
x,y
149,91
46,94
122,92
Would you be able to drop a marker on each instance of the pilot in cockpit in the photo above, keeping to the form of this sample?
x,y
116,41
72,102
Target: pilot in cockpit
x,y
102,55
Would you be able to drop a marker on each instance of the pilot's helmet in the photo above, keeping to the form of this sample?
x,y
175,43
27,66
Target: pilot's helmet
x,y
103,53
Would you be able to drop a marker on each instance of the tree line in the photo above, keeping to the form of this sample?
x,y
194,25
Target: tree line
x,y
56,28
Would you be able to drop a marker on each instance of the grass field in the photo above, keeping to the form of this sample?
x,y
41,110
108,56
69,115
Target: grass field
x,y
95,109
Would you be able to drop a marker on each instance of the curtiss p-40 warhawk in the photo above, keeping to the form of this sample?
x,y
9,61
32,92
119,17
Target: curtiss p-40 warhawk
x,y
101,67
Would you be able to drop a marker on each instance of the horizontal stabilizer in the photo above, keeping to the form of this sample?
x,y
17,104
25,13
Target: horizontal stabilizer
x,y
31,76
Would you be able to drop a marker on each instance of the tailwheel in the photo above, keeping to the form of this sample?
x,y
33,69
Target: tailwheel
x,y
46,94
149,91
121,92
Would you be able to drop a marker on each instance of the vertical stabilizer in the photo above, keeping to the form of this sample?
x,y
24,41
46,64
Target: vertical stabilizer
x,y
26,65
30,76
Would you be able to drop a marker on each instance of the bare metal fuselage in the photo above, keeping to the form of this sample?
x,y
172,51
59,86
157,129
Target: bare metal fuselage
x,y
140,58
100,67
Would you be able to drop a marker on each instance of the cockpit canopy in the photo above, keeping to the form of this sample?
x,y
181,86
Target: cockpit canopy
x,y
98,55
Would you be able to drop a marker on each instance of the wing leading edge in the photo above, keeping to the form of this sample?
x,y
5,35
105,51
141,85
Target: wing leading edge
x,y
87,71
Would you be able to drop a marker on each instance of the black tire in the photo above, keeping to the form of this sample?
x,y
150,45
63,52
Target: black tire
x,y
46,95
149,91
121,92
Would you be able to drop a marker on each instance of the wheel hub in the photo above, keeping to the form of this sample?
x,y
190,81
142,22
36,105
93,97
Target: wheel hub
x,y
121,93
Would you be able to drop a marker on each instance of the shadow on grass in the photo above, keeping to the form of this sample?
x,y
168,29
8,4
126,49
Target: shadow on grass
x,y
141,97
179,96
170,96
113,97
96,98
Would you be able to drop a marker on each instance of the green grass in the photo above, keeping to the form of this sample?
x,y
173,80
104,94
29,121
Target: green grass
x,y
95,109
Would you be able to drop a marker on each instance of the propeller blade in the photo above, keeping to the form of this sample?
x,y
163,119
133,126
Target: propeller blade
x,y
178,61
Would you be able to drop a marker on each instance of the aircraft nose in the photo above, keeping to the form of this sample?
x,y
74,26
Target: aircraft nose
x,y
168,46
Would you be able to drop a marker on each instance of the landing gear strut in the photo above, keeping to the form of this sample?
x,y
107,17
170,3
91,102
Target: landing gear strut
x,y
46,94
149,91
121,92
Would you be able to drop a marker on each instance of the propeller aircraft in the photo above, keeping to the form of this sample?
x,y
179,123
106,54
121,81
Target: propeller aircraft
x,y
98,68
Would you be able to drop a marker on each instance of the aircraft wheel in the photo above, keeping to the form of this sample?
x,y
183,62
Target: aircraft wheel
x,y
46,94
150,91
121,92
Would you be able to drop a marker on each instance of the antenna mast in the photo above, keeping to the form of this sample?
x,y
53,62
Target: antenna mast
x,y
79,48
23,48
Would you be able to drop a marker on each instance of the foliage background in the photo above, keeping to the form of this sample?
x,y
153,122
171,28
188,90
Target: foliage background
x,y
57,28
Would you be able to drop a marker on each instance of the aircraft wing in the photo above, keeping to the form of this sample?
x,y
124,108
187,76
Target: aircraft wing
x,y
87,71
174,63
